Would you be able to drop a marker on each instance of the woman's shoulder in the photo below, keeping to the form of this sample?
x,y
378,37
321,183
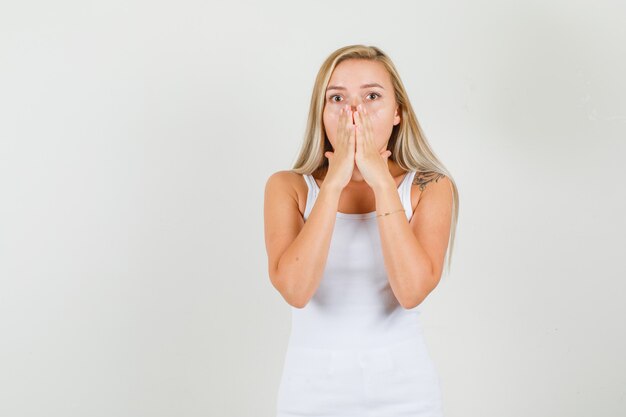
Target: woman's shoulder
x,y
285,178
287,175
423,178
295,178
288,183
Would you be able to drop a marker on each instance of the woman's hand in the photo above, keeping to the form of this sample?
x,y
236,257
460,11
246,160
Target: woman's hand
x,y
371,162
341,160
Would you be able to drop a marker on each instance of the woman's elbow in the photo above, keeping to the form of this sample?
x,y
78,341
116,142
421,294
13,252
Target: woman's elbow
x,y
291,293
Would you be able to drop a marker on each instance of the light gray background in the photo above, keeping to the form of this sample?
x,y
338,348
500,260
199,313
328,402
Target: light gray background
x,y
136,139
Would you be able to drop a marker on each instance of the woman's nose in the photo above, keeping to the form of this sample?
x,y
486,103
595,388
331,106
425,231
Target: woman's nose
x,y
354,105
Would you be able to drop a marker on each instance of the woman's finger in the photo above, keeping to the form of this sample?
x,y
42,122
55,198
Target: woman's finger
x,y
367,122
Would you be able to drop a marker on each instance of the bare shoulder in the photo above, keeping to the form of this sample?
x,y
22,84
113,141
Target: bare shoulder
x,y
285,186
280,179
423,181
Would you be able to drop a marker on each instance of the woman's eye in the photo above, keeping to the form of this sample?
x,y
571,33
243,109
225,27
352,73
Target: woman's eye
x,y
332,98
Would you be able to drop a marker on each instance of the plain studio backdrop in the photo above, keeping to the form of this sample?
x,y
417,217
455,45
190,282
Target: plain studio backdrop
x,y
136,141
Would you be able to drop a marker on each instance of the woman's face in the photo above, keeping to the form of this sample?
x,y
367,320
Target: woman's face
x,y
359,81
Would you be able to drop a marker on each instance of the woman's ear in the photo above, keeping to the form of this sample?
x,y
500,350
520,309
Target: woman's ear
x,y
396,117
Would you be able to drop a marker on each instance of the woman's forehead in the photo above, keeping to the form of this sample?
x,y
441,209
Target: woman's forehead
x,y
359,74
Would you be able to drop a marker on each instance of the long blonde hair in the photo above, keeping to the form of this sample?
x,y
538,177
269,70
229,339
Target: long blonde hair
x,y
408,144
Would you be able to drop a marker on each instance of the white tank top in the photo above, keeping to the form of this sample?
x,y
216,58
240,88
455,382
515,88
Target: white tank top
x,y
354,306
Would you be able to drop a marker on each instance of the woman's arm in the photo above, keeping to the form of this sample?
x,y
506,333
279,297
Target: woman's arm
x,y
297,250
414,251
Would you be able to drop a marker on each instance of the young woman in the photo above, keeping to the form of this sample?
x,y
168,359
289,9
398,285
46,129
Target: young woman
x,y
356,235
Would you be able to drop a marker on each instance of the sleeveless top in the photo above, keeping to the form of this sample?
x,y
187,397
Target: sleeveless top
x,y
354,306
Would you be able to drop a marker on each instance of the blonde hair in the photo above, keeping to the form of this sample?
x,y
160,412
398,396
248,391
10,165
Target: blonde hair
x,y
408,145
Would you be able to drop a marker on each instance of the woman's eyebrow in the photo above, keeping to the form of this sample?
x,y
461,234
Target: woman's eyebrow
x,y
336,87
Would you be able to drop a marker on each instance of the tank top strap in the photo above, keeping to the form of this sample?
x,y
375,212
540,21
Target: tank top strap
x,y
311,195
405,193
